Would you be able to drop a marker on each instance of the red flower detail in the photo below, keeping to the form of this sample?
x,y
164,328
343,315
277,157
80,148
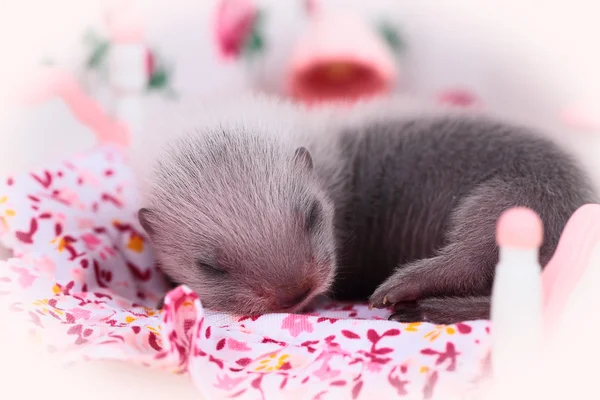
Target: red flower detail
x,y
101,275
27,237
350,335
58,229
216,361
450,353
283,382
397,382
111,199
356,389
250,317
463,328
220,344
233,25
46,181
153,341
137,272
323,319
458,98
244,361
372,336
430,385
269,340
150,63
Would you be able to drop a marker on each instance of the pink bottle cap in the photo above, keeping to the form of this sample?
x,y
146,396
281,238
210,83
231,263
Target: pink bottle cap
x,y
520,227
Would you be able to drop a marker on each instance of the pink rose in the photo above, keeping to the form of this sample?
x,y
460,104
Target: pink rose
x,y
234,21
296,324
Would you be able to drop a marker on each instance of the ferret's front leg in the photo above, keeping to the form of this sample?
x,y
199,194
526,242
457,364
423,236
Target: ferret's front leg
x,y
454,273
465,265
443,310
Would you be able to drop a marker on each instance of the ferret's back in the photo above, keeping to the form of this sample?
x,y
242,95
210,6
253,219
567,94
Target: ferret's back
x,y
402,178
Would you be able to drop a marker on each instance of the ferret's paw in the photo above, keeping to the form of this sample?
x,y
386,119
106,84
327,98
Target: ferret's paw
x,y
408,283
442,310
407,312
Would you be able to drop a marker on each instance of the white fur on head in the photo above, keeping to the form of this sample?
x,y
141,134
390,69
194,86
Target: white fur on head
x,y
227,186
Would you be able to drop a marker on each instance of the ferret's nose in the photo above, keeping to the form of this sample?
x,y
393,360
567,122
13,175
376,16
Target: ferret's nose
x,y
288,300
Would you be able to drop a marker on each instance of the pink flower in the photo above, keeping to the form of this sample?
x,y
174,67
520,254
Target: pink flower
x,y
46,265
68,195
43,264
296,324
237,346
80,313
373,366
150,63
227,383
85,223
59,216
458,98
91,241
78,275
89,178
325,372
25,278
234,21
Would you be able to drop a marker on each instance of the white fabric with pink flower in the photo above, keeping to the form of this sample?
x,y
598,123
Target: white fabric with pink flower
x,y
83,280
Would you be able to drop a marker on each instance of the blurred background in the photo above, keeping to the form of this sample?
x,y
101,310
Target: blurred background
x,y
528,60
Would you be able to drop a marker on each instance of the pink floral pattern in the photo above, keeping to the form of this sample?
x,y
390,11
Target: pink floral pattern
x,y
83,280
233,26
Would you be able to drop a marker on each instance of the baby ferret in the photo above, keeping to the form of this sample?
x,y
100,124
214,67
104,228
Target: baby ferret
x,y
260,208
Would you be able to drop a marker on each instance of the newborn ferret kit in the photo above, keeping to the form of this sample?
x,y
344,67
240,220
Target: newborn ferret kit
x,y
260,205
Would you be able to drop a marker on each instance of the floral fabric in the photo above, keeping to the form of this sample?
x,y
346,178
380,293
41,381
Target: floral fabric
x,y
83,280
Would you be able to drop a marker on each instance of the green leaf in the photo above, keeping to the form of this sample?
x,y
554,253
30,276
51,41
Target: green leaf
x,y
98,55
255,43
159,79
391,36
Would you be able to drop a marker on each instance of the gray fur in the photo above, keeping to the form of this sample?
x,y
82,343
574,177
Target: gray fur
x,y
248,205
416,202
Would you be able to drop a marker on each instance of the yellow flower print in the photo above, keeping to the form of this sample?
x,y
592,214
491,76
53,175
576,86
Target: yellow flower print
x,y
438,330
3,199
44,306
153,329
149,311
62,243
56,289
412,326
136,243
272,363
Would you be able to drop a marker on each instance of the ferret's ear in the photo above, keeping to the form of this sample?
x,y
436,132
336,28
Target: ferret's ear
x,y
303,158
145,217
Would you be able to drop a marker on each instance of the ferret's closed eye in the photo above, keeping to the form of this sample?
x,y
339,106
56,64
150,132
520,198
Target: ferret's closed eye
x,y
211,268
314,215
